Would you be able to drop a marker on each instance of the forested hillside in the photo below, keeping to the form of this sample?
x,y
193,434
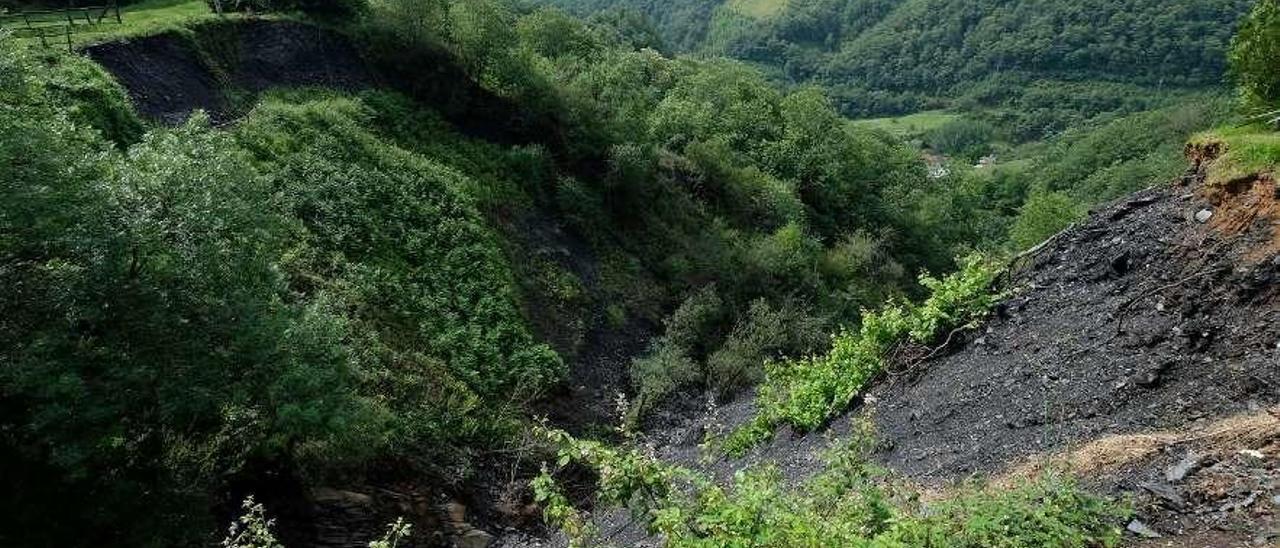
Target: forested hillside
x,y
893,56
389,283
1049,93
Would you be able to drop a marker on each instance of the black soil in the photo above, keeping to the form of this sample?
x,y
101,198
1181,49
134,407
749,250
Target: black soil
x,y
1142,318
163,78
598,354
168,76
286,54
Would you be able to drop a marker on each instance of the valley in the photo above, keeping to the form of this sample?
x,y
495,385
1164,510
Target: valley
x,y
642,273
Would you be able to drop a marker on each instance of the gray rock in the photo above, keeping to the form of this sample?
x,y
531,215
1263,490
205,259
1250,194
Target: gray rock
x,y
1252,456
1239,504
474,538
326,495
1204,215
1167,493
1187,465
1138,528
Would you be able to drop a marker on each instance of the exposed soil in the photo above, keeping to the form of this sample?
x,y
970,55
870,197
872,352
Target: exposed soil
x,y
1149,332
220,67
163,78
288,54
1140,319
598,354
168,77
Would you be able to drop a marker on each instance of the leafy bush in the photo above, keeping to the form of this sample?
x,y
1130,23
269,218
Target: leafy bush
x,y
292,290
1255,56
166,349
252,529
861,271
380,217
764,334
849,503
1045,214
690,325
93,99
962,137
670,363
666,368
805,393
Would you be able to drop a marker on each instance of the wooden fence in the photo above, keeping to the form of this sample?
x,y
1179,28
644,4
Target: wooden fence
x,y
52,26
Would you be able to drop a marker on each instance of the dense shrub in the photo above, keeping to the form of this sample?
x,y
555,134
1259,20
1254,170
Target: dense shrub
x,y
1044,214
963,138
295,290
765,333
387,215
671,362
664,369
1255,56
805,393
150,344
711,173
849,503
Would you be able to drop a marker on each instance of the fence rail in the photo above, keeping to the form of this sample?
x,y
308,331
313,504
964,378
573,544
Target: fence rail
x,y
50,25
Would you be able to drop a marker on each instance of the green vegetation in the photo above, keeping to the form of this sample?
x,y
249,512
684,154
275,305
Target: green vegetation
x,y
297,288
1254,54
141,18
967,140
760,9
149,17
1253,147
1241,151
1045,214
806,393
341,285
1004,206
1087,100
335,280
850,503
911,126
899,56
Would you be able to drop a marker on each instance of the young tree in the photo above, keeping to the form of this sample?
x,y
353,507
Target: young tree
x,y
1255,56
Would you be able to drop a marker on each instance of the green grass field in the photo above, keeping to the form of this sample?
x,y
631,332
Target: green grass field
x,y
760,9
149,17
140,19
1246,150
909,126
